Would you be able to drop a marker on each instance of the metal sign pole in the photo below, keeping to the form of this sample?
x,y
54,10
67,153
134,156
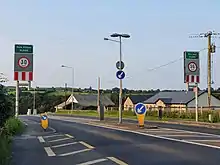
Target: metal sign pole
x,y
196,101
17,99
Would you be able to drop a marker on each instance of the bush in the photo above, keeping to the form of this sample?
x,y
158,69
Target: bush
x,y
11,127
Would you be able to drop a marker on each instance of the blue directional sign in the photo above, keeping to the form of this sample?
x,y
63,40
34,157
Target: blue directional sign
x,y
120,74
44,117
140,109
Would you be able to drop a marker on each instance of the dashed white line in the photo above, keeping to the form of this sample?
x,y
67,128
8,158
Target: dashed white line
x,y
55,135
117,161
57,140
75,152
70,136
41,139
86,144
63,145
93,162
49,151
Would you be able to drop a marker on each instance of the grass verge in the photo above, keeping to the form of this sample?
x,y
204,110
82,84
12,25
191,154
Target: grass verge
x,y
11,127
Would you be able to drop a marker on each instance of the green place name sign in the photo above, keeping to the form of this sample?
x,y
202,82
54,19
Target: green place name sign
x,y
23,48
192,55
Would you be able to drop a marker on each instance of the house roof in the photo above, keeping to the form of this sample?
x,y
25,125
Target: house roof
x,y
91,100
174,97
139,98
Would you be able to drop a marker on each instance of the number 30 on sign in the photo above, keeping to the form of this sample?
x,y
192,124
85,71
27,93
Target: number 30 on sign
x,y
23,62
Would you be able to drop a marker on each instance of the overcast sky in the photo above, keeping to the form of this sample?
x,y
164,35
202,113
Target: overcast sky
x,y
71,32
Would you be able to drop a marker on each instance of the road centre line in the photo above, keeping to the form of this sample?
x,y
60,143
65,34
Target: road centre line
x,y
93,161
49,151
63,145
57,140
75,152
41,139
155,136
86,144
117,161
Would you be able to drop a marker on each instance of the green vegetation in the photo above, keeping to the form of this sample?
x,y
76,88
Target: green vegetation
x,y
11,127
152,115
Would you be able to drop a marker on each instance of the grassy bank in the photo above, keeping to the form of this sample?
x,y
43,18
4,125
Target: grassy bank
x,y
153,115
11,127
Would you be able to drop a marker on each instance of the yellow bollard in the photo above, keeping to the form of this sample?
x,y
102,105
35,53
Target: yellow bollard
x,y
140,110
44,121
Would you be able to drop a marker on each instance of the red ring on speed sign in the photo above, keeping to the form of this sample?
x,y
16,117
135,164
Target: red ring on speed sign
x,y
192,66
23,62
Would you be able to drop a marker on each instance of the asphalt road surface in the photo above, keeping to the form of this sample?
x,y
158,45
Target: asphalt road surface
x,y
79,143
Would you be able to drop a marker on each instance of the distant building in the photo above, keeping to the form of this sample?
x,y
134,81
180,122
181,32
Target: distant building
x,y
181,100
85,102
132,100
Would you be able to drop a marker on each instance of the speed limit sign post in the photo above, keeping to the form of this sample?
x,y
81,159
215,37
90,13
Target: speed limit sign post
x,y
23,68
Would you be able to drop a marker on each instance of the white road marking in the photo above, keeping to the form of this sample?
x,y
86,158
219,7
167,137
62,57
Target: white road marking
x,y
53,130
55,135
49,151
63,145
155,136
70,136
75,152
57,140
41,139
117,161
93,162
191,135
205,140
86,144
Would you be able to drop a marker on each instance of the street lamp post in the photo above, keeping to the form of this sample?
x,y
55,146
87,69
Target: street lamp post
x,y
64,66
120,36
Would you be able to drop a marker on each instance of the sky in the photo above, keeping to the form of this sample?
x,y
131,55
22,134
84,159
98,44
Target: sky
x,y
71,32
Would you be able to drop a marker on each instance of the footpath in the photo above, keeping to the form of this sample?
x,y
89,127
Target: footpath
x,y
26,149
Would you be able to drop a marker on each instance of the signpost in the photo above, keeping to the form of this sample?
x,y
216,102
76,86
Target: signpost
x,y
191,67
192,73
44,121
23,68
120,74
140,110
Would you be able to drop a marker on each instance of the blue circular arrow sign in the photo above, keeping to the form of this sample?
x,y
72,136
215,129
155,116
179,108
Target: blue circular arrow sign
x,y
44,117
140,109
120,74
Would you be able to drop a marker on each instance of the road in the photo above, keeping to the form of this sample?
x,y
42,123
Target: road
x,y
79,143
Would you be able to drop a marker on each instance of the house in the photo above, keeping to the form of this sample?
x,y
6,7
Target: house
x,y
85,101
132,100
181,100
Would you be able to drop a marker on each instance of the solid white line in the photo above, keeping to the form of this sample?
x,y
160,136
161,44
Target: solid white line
x,y
49,151
52,129
55,135
70,136
205,140
57,140
63,145
86,144
117,161
184,135
93,162
155,136
41,139
75,152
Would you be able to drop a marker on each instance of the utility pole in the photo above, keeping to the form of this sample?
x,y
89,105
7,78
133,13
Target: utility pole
x,y
211,49
98,97
65,94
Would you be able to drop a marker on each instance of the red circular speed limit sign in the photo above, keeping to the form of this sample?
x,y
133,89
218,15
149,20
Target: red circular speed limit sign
x,y
23,62
192,66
